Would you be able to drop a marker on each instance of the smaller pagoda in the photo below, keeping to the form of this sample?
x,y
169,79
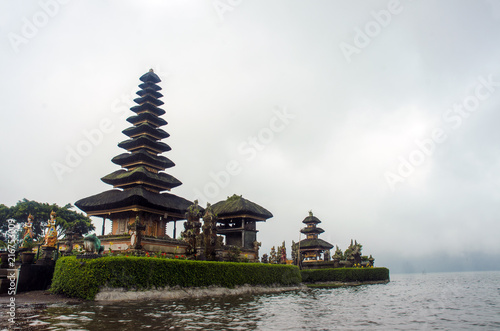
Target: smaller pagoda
x,y
312,247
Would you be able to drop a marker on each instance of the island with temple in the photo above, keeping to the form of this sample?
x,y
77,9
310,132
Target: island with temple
x,y
314,253
218,245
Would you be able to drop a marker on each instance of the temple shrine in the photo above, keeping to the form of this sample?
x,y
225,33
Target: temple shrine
x,y
314,253
140,203
312,247
237,218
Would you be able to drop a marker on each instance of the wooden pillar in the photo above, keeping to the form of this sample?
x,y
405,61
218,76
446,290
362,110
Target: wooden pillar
x,y
103,224
175,228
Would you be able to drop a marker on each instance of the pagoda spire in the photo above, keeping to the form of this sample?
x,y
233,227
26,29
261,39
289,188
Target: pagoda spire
x,y
140,185
142,164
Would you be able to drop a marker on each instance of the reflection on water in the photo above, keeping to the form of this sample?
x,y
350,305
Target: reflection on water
x,y
449,301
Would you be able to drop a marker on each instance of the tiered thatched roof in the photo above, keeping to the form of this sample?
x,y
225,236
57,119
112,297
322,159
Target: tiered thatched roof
x,y
312,232
237,206
315,244
141,178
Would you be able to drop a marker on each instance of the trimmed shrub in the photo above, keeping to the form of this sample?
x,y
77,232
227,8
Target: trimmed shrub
x,y
344,275
83,278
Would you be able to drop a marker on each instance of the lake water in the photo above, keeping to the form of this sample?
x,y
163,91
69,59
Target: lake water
x,y
443,301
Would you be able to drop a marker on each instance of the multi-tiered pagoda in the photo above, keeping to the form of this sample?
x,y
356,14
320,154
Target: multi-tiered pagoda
x,y
312,247
139,187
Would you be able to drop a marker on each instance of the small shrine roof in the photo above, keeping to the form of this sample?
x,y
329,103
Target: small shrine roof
x,y
238,206
314,243
308,230
311,219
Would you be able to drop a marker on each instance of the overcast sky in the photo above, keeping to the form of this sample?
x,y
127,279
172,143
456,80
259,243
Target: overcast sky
x,y
381,117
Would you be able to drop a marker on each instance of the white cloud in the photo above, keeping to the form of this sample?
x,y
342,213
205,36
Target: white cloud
x,y
353,120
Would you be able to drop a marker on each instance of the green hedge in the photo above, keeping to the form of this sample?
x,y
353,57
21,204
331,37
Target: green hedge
x,y
83,278
344,275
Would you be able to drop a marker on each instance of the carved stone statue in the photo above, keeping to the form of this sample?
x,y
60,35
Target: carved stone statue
x,y
338,253
295,252
220,242
28,232
92,244
371,260
70,238
353,252
210,233
191,233
50,239
273,258
265,258
326,256
136,229
283,253
256,246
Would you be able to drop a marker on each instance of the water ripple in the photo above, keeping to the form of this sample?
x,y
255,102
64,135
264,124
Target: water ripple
x,y
458,301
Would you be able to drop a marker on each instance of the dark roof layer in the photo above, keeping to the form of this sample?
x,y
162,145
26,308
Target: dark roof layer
x,y
145,128
148,107
149,85
150,91
312,230
124,178
150,99
150,118
114,199
150,76
311,219
236,206
315,243
144,142
142,157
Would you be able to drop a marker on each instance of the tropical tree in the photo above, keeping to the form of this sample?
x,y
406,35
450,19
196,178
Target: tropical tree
x,y
4,225
66,219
